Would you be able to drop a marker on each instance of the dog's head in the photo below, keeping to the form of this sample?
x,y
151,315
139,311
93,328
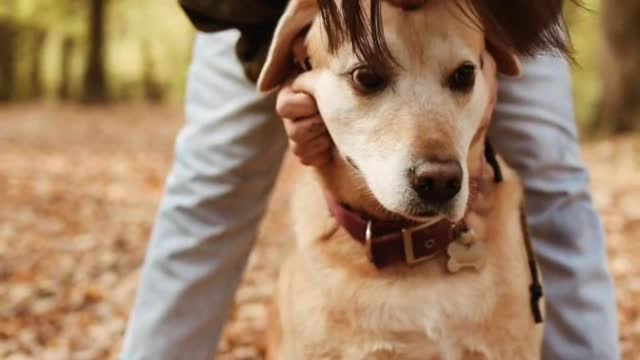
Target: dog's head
x,y
406,129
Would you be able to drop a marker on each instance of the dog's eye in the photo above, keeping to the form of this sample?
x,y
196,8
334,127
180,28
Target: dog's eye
x,y
367,80
463,78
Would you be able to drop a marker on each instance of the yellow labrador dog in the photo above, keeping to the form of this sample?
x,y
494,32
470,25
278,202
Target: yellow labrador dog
x,y
411,243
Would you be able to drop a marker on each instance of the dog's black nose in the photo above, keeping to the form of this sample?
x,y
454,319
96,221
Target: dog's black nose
x,y
437,182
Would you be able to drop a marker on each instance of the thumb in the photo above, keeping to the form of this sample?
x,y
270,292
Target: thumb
x,y
305,82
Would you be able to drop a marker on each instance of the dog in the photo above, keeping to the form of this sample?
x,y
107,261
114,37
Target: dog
x,y
411,243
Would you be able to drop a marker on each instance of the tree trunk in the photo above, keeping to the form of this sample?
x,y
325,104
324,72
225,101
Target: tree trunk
x,y
620,59
7,60
36,53
68,47
151,87
95,87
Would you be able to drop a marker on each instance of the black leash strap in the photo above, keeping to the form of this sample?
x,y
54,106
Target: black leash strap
x,y
490,155
535,289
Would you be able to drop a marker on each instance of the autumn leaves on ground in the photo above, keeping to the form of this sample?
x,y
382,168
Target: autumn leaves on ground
x,y
79,189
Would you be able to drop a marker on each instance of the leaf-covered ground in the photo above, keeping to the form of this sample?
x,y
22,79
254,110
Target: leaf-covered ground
x,y
78,194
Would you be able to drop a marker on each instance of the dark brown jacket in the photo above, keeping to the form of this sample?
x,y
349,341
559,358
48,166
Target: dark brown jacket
x,y
256,20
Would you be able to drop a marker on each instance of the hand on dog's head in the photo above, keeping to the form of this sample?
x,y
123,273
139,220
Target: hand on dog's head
x,y
407,137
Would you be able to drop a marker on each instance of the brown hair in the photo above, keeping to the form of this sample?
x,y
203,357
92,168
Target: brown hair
x,y
526,27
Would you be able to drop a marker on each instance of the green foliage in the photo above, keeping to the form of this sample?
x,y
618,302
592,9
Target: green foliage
x,y
148,42
149,48
585,28
148,34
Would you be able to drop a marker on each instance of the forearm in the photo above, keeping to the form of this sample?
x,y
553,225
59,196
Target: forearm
x,y
232,13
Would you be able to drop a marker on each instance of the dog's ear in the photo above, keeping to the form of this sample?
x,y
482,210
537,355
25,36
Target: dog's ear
x,y
507,61
279,64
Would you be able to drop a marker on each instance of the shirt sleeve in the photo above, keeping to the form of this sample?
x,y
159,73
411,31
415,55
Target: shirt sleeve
x,y
216,15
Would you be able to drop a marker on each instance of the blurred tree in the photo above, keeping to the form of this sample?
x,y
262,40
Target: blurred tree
x,y
68,47
620,58
35,67
7,53
95,86
90,49
152,89
7,59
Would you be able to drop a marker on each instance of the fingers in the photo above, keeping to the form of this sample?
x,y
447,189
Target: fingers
x,y
295,105
308,137
312,147
314,152
318,160
304,129
300,115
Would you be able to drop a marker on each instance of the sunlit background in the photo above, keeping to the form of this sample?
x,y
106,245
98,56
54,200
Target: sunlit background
x,y
146,51
148,47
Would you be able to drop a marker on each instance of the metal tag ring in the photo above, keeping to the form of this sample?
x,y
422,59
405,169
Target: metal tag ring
x,y
367,242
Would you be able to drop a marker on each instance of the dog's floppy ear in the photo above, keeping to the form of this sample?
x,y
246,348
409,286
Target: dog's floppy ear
x,y
507,61
296,18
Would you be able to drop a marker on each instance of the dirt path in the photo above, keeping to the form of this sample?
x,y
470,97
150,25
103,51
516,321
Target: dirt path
x,y
79,189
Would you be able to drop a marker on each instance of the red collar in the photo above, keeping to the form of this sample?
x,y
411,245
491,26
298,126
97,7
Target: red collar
x,y
391,242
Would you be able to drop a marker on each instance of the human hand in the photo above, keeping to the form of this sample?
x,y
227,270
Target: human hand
x,y
308,137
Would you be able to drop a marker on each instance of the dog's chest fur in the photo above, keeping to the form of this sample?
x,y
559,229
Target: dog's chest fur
x,y
333,305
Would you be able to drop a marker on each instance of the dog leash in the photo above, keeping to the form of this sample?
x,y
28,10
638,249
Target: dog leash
x,y
535,289
490,156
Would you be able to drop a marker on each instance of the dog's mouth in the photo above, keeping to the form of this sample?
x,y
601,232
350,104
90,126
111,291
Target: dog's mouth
x,y
417,212
424,215
420,210
416,215
352,163
419,216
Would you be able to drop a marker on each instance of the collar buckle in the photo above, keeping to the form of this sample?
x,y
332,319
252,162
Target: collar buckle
x,y
408,243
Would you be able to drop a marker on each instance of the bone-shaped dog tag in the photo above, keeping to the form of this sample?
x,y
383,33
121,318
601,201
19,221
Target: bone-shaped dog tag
x,y
465,254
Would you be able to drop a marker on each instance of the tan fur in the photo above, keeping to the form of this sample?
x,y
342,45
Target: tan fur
x,y
331,302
